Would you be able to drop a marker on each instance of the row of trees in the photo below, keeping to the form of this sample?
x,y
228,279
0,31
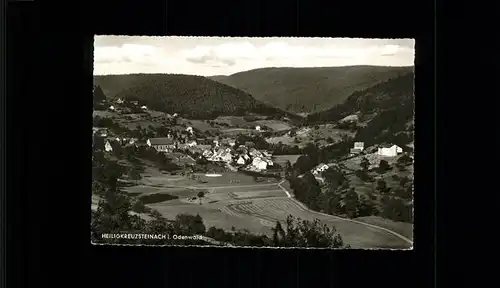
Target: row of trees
x,y
337,197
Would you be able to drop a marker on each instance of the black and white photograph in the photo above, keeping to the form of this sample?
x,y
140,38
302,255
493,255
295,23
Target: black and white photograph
x,y
253,142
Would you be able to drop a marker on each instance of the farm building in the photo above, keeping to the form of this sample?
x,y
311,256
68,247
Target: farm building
x,y
119,101
389,151
257,128
112,108
144,108
162,144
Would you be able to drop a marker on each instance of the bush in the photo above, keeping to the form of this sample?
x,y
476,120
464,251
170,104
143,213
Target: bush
x,y
138,207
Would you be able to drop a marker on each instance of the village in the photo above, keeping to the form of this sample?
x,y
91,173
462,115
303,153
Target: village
x,y
228,172
223,150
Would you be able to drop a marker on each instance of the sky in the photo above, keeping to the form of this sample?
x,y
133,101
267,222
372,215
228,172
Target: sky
x,y
209,56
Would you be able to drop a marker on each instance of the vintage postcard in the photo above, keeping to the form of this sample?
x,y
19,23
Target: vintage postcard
x,y
253,142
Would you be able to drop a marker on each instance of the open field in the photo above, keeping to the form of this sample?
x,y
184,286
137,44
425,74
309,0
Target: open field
x,y
275,125
235,121
256,207
405,229
236,131
357,235
104,114
200,125
325,131
281,159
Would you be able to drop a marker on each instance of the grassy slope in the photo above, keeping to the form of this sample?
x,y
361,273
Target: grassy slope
x,y
309,89
193,96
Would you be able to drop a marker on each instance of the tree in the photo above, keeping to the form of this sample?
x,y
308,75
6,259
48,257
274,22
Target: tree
x,y
279,235
383,166
98,143
99,94
381,186
304,164
138,207
303,233
403,181
189,224
405,160
312,151
334,178
134,175
366,207
365,164
351,201
200,195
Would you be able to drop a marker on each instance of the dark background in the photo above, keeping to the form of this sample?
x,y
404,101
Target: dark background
x,y
50,69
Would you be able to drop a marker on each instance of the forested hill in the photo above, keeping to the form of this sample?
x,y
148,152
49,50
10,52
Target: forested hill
x,y
191,96
306,90
386,110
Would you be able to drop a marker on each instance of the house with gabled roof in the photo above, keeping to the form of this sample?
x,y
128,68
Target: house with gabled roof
x,y
388,150
164,144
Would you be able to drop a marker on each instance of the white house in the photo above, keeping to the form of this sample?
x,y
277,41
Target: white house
x,y
119,101
192,143
259,163
257,128
391,151
144,108
241,161
190,130
112,108
359,145
108,147
162,144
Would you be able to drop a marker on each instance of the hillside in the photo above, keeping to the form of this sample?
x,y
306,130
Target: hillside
x,y
191,96
308,90
385,112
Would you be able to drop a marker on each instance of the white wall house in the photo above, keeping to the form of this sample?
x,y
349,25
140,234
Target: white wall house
x,y
241,161
112,108
257,128
259,163
108,147
391,151
119,101
144,108
162,144
359,145
320,168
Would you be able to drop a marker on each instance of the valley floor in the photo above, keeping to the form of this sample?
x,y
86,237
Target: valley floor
x,y
257,206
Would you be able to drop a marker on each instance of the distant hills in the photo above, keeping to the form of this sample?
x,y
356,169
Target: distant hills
x,y
385,111
191,96
309,90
